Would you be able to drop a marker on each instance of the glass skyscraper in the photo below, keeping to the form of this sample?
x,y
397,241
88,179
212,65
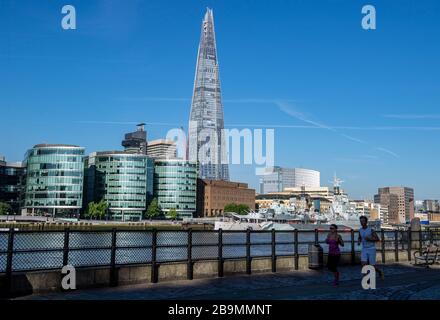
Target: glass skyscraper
x,y
175,186
54,180
206,143
123,180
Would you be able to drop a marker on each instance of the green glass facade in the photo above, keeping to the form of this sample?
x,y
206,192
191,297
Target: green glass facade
x,y
124,180
175,186
54,180
12,180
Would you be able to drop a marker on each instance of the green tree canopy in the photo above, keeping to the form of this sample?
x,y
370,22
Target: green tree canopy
x,y
91,210
153,210
5,208
101,207
237,208
97,210
172,214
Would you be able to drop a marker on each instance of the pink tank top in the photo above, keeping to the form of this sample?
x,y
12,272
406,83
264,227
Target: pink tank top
x,y
333,247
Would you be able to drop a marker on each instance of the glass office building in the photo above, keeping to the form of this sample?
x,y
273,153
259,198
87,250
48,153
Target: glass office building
x,y
205,139
11,184
124,180
54,180
175,186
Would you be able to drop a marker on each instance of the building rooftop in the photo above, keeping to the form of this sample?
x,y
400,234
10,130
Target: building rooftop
x,y
48,145
117,152
161,141
175,160
225,183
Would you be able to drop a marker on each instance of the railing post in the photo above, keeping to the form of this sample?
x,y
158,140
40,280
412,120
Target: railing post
x,y
382,235
9,257
295,244
396,245
66,247
353,252
420,239
189,268
409,244
316,237
248,252
113,275
154,276
274,258
220,253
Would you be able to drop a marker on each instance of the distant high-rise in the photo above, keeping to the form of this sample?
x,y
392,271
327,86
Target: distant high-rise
x,y
162,149
400,203
206,143
136,142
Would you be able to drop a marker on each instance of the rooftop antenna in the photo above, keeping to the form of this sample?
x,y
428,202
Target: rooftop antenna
x,y
140,126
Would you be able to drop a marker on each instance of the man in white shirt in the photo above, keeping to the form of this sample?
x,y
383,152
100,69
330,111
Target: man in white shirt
x,y
368,238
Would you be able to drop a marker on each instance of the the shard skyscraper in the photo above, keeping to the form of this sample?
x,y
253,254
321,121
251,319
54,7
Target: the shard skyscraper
x,y
206,142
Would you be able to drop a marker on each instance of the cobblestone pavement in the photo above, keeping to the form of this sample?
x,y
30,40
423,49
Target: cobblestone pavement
x,y
402,281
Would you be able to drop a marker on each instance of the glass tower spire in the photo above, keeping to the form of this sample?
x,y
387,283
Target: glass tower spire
x,y
206,143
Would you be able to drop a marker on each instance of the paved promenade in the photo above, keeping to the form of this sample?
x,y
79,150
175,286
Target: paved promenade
x,y
402,282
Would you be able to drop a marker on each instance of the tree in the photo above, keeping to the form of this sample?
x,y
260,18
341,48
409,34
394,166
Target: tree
x,y
97,210
5,208
237,208
230,207
91,210
172,214
101,208
243,208
153,210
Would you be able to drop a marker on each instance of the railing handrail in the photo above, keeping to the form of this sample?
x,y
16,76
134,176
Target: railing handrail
x,y
399,237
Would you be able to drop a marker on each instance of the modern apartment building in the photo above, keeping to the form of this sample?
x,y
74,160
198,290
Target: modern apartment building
x,y
277,179
399,201
175,186
123,179
54,180
214,195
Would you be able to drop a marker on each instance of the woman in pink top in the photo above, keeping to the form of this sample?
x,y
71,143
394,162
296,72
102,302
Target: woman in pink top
x,y
334,240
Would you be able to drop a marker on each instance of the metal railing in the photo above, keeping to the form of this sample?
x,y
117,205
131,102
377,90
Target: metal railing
x,y
22,251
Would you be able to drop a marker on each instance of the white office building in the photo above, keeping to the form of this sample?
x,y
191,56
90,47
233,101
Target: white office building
x,y
276,179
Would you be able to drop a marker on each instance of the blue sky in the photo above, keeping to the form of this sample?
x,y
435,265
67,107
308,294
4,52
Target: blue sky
x,y
363,104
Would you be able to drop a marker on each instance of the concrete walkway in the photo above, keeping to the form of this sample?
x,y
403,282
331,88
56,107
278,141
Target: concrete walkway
x,y
402,281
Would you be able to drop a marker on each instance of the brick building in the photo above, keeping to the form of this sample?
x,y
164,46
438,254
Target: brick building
x,y
213,195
